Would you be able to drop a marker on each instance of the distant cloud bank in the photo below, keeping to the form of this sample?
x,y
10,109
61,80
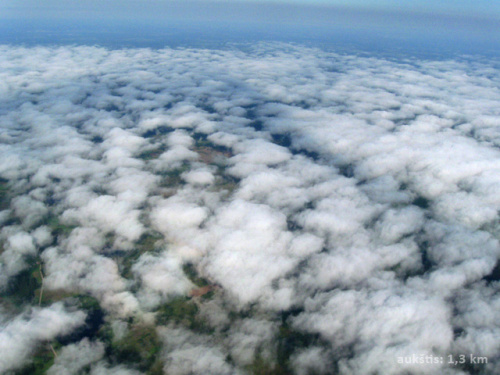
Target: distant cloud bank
x,y
340,211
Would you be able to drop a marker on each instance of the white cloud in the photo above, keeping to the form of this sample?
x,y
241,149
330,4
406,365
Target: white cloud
x,y
74,357
163,275
199,177
186,353
20,336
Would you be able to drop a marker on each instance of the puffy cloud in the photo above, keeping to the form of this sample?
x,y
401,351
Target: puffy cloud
x,y
29,210
253,155
76,267
74,357
385,326
162,275
248,249
396,224
21,242
20,336
110,214
199,177
175,214
42,236
104,369
19,246
249,338
179,143
186,353
313,360
123,139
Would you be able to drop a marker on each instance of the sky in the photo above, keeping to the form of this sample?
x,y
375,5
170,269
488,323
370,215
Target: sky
x,y
488,8
112,8
463,26
484,7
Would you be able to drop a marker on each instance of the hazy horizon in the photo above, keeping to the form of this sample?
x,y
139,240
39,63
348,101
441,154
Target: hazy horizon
x,y
419,29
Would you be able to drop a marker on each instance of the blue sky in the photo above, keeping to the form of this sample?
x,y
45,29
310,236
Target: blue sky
x,y
490,8
470,24
484,7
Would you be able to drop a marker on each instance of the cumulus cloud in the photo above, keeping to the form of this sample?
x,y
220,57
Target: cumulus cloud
x,y
249,249
332,211
19,245
175,214
104,369
161,275
109,213
199,177
29,210
20,337
385,326
313,360
74,357
186,353
179,143
251,337
76,267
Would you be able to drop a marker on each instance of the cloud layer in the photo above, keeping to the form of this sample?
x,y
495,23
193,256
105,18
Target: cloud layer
x,y
278,206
